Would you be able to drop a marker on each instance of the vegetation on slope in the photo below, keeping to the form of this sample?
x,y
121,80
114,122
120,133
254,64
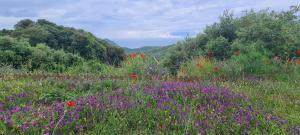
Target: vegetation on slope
x,y
269,33
70,40
156,51
20,54
247,83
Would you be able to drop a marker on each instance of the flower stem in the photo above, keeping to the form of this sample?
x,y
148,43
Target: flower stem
x,y
59,122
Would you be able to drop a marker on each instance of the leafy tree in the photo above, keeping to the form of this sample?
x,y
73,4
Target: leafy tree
x,y
23,24
220,47
67,39
226,28
19,53
278,33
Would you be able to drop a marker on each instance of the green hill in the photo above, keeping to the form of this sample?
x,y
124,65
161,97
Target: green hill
x,y
255,35
157,51
68,39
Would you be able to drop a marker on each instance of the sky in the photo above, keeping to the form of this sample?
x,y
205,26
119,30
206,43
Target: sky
x,y
133,23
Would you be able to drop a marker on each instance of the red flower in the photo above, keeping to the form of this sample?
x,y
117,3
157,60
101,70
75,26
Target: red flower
x,y
298,52
71,103
216,69
162,126
142,56
133,76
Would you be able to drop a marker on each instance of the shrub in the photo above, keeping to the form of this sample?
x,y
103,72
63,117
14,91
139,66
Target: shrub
x,y
202,68
19,54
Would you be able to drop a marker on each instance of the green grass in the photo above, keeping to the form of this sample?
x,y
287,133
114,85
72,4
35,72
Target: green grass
x,y
275,97
267,96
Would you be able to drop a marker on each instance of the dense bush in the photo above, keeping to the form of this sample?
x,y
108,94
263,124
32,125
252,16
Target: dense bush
x,y
276,33
202,68
67,39
251,63
19,54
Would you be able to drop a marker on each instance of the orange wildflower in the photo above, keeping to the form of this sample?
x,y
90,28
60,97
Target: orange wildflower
x,y
297,62
199,66
133,55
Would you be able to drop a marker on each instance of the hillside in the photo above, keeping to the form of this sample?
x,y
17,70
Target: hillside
x,y
240,76
269,34
157,51
68,39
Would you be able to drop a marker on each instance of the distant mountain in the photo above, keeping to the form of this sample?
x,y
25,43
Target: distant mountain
x,y
141,49
157,51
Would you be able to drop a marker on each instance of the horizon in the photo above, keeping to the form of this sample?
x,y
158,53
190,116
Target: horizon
x,y
130,23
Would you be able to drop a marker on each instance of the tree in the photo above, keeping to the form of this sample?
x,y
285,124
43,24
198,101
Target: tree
x,y
220,47
19,53
276,32
67,39
23,24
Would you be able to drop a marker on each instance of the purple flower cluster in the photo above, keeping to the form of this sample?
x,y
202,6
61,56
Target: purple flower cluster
x,y
209,106
47,116
14,97
208,109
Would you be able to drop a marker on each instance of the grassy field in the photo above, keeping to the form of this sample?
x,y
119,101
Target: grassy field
x,y
86,105
140,97
239,75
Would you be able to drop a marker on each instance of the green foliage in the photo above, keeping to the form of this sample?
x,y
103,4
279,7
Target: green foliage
x,y
272,96
273,31
97,102
54,96
252,60
175,58
254,55
67,39
202,68
155,51
220,47
276,33
19,54
134,65
226,28
23,24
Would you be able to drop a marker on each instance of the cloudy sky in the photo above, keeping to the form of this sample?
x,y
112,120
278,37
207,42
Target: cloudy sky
x,y
132,23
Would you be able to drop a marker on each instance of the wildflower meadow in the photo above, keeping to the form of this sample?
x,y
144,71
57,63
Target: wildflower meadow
x,y
240,76
147,102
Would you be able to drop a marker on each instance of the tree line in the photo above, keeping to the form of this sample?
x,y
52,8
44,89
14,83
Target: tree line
x,y
29,37
271,34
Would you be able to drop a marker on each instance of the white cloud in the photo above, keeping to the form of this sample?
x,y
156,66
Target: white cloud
x,y
132,19
52,13
142,34
8,22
